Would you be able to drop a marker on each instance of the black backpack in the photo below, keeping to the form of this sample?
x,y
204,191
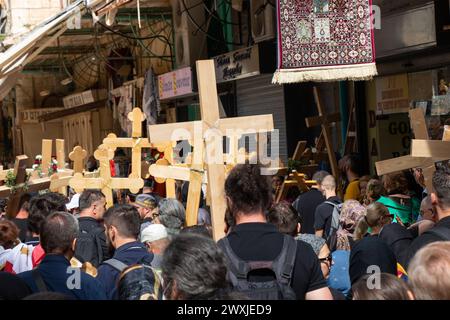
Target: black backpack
x,y
277,289
88,247
331,237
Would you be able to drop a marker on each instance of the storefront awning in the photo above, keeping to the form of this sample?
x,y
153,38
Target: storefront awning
x,y
23,52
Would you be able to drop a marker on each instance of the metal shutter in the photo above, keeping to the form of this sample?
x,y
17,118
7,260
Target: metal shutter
x,y
257,95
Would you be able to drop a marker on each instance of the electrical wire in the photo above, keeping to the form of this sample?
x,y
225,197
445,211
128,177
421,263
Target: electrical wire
x,y
199,28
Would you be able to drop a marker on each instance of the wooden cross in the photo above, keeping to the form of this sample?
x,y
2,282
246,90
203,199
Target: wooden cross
x,y
324,121
137,143
294,179
209,109
434,150
105,182
418,125
77,156
20,172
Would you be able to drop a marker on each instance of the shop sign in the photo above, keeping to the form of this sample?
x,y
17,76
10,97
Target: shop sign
x,y
237,64
82,98
175,84
392,94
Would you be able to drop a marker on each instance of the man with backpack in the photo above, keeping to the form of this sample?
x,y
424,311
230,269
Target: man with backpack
x,y
122,224
58,234
264,263
326,220
91,242
440,199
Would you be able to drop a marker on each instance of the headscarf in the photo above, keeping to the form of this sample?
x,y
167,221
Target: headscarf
x,y
371,252
313,240
352,211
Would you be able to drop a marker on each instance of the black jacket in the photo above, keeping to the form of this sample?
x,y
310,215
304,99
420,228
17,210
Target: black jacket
x,y
427,237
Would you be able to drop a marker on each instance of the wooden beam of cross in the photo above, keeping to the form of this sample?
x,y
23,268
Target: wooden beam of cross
x,y
60,154
210,123
105,182
434,149
325,121
418,125
77,156
46,155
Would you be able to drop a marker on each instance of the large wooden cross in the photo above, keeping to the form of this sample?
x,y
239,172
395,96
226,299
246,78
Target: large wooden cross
x,y
105,182
205,145
325,121
418,125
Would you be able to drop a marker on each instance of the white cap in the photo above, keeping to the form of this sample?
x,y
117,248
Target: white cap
x,y
153,232
74,202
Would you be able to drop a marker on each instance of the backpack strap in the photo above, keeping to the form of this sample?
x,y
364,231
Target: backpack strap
x,y
238,267
37,277
116,264
331,203
284,263
441,232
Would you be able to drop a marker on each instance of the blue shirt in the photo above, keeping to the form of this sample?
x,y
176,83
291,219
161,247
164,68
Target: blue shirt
x,y
59,277
131,253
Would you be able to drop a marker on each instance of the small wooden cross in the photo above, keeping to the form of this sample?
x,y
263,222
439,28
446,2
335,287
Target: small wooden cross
x,y
20,171
77,156
105,182
324,121
209,108
294,179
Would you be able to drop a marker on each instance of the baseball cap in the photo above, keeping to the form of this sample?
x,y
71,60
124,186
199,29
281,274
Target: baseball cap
x,y
146,201
153,232
74,202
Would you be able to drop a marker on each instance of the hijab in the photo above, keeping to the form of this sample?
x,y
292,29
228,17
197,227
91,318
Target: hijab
x,y
352,211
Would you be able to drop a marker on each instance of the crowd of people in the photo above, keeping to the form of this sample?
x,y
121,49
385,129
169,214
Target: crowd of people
x,y
385,239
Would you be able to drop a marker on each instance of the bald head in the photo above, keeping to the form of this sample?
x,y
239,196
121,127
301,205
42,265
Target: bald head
x,y
328,186
329,183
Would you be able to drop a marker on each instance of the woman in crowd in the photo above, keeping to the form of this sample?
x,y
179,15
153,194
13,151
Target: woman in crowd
x,y
172,215
376,217
399,201
352,211
374,191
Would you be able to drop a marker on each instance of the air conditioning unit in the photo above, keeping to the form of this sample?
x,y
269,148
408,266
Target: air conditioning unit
x,y
263,20
190,42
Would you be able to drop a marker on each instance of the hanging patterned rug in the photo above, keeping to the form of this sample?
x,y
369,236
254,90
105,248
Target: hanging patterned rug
x,y
325,40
